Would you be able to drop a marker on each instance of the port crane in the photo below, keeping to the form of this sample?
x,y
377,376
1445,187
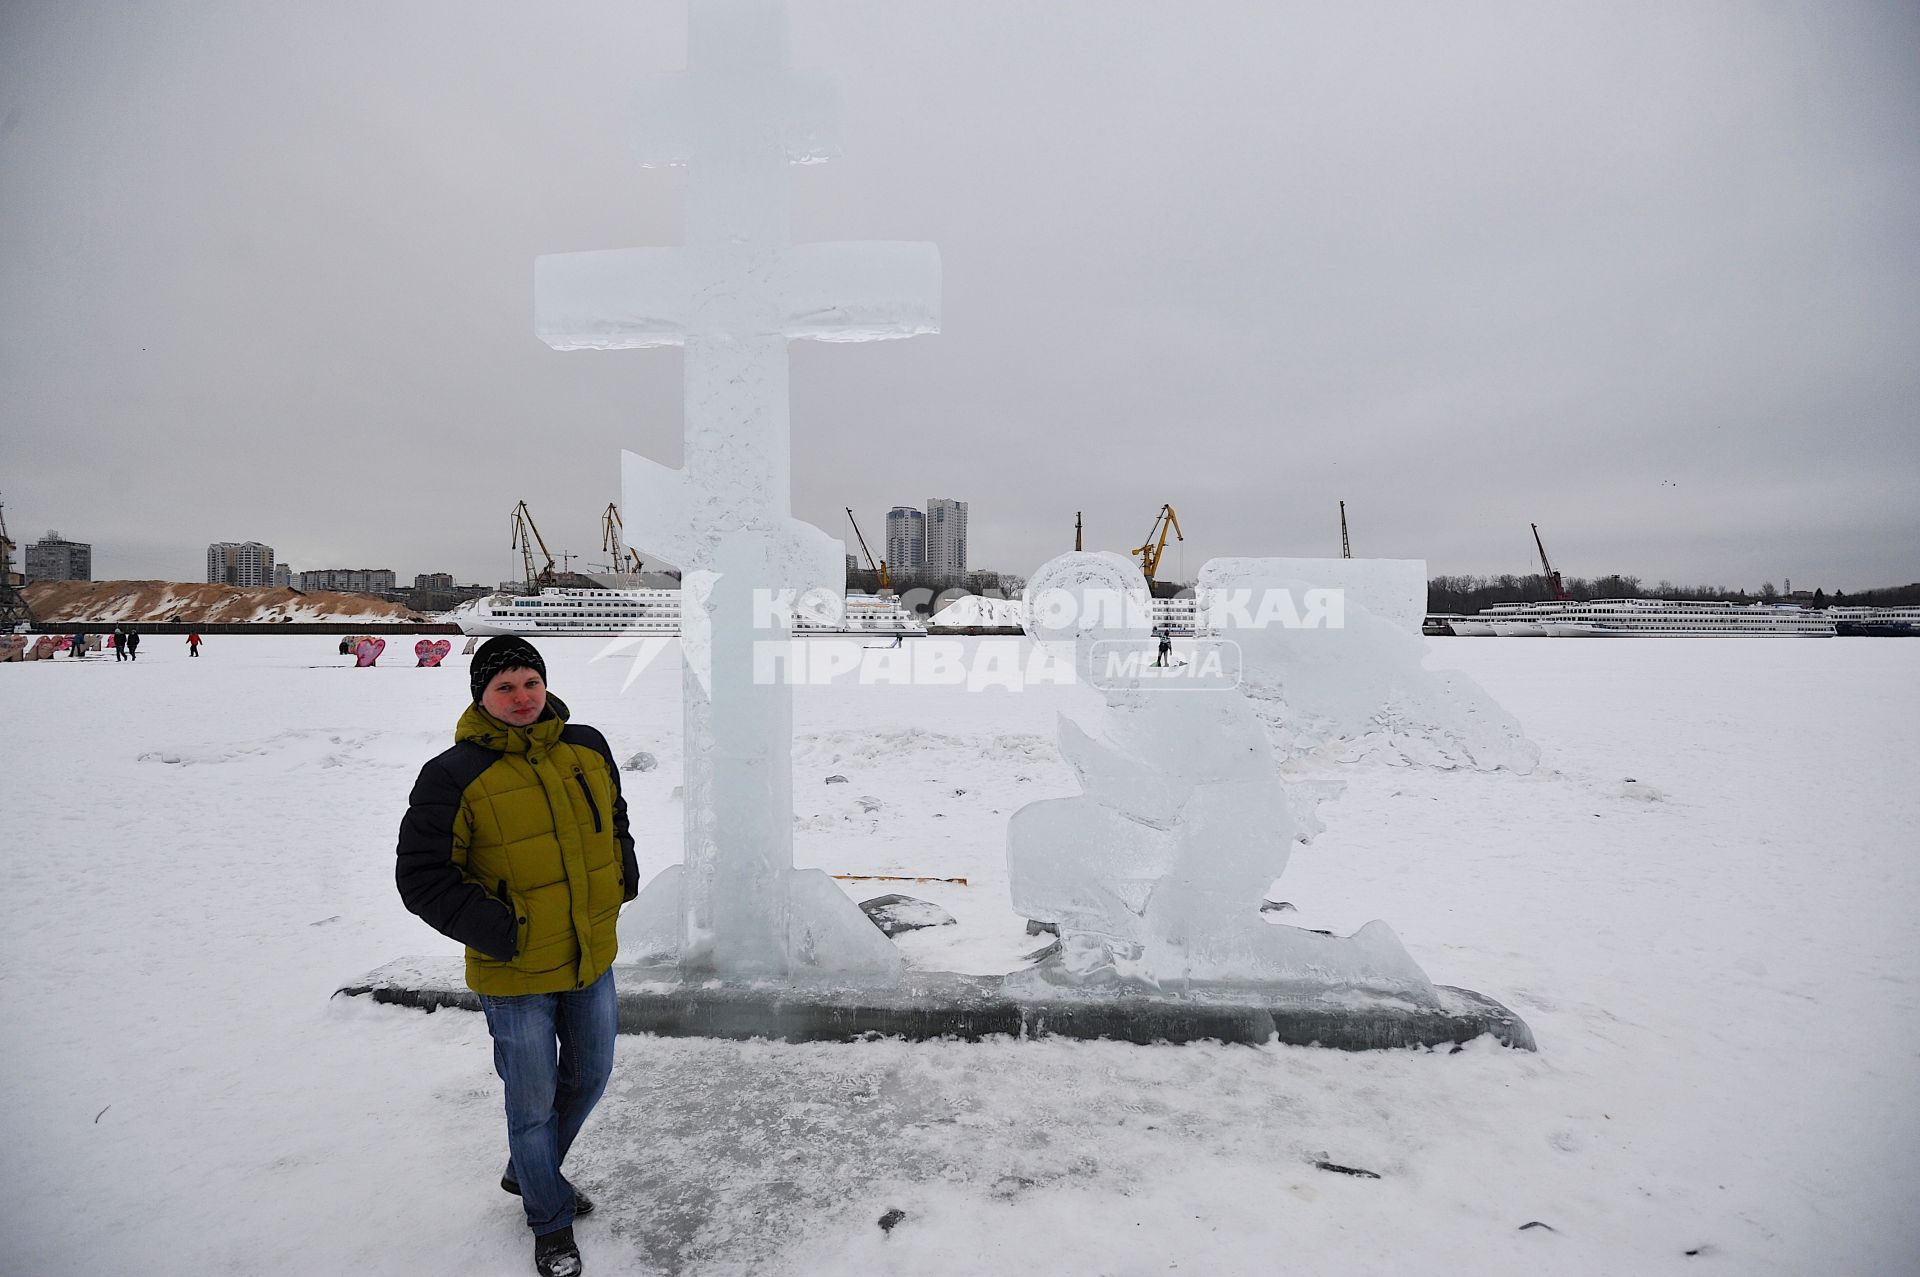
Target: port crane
x,y
613,541
879,569
1156,544
1553,578
525,537
13,605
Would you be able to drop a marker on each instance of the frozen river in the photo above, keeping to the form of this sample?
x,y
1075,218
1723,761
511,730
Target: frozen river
x,y
1702,901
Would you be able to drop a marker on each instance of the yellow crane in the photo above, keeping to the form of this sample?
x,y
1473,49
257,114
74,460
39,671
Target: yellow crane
x,y
1156,544
879,569
613,541
525,537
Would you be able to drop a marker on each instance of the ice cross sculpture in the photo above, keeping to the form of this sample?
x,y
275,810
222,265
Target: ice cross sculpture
x,y
734,296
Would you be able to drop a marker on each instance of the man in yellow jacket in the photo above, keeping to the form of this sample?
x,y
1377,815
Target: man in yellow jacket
x,y
515,843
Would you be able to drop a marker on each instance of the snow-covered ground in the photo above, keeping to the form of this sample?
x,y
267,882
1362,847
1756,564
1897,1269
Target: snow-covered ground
x,y
1703,903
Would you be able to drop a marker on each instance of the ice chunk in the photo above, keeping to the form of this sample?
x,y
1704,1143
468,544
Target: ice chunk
x,y
1331,656
831,934
649,928
1087,596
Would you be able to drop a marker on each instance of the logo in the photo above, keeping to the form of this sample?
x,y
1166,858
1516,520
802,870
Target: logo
x,y
1141,665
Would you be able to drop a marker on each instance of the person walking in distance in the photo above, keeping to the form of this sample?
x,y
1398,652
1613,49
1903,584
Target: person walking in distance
x,y
516,844
133,645
193,645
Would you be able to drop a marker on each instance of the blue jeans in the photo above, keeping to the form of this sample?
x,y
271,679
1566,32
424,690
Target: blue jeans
x,y
554,1051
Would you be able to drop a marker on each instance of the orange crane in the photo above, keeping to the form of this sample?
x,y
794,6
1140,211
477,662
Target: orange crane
x,y
525,537
1156,544
1553,578
879,569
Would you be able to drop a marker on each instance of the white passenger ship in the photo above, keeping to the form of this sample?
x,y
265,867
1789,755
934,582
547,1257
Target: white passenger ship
x,y
1877,622
1649,618
620,613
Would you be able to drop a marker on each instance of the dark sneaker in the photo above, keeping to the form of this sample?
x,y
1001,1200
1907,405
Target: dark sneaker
x,y
555,1255
582,1204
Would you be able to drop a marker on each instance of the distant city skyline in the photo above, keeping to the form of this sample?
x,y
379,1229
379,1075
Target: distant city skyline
x,y
284,573
1644,275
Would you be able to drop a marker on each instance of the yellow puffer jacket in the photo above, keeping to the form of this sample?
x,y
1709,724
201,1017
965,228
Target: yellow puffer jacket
x,y
515,843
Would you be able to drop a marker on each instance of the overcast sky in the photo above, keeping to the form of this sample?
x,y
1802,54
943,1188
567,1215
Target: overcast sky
x,y
1647,274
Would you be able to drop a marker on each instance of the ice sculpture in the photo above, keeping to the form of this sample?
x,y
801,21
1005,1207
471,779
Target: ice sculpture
x,y
733,297
1155,873
1356,688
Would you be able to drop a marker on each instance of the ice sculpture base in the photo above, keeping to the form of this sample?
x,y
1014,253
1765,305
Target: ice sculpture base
x,y
938,1004
828,936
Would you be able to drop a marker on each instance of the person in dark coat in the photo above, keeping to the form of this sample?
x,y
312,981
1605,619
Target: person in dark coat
x,y
133,645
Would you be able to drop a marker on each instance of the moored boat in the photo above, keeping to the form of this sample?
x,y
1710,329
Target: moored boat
x,y
1654,618
622,613
1876,622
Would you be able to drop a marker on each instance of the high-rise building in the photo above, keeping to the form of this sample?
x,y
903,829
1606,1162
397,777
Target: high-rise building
x,y
282,577
240,563
54,558
906,540
946,552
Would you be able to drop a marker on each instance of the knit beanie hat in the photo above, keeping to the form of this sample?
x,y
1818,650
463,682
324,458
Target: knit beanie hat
x,y
500,654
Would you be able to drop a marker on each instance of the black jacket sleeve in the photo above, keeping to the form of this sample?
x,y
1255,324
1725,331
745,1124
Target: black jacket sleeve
x,y
431,884
629,862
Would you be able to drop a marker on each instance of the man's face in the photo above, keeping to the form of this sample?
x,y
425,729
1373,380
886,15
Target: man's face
x,y
515,697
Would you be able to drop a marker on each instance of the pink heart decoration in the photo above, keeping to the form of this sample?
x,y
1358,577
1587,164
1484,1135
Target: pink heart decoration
x,y
431,653
368,651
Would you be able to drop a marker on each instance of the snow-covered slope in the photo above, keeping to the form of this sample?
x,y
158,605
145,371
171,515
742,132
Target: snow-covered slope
x,y
184,601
